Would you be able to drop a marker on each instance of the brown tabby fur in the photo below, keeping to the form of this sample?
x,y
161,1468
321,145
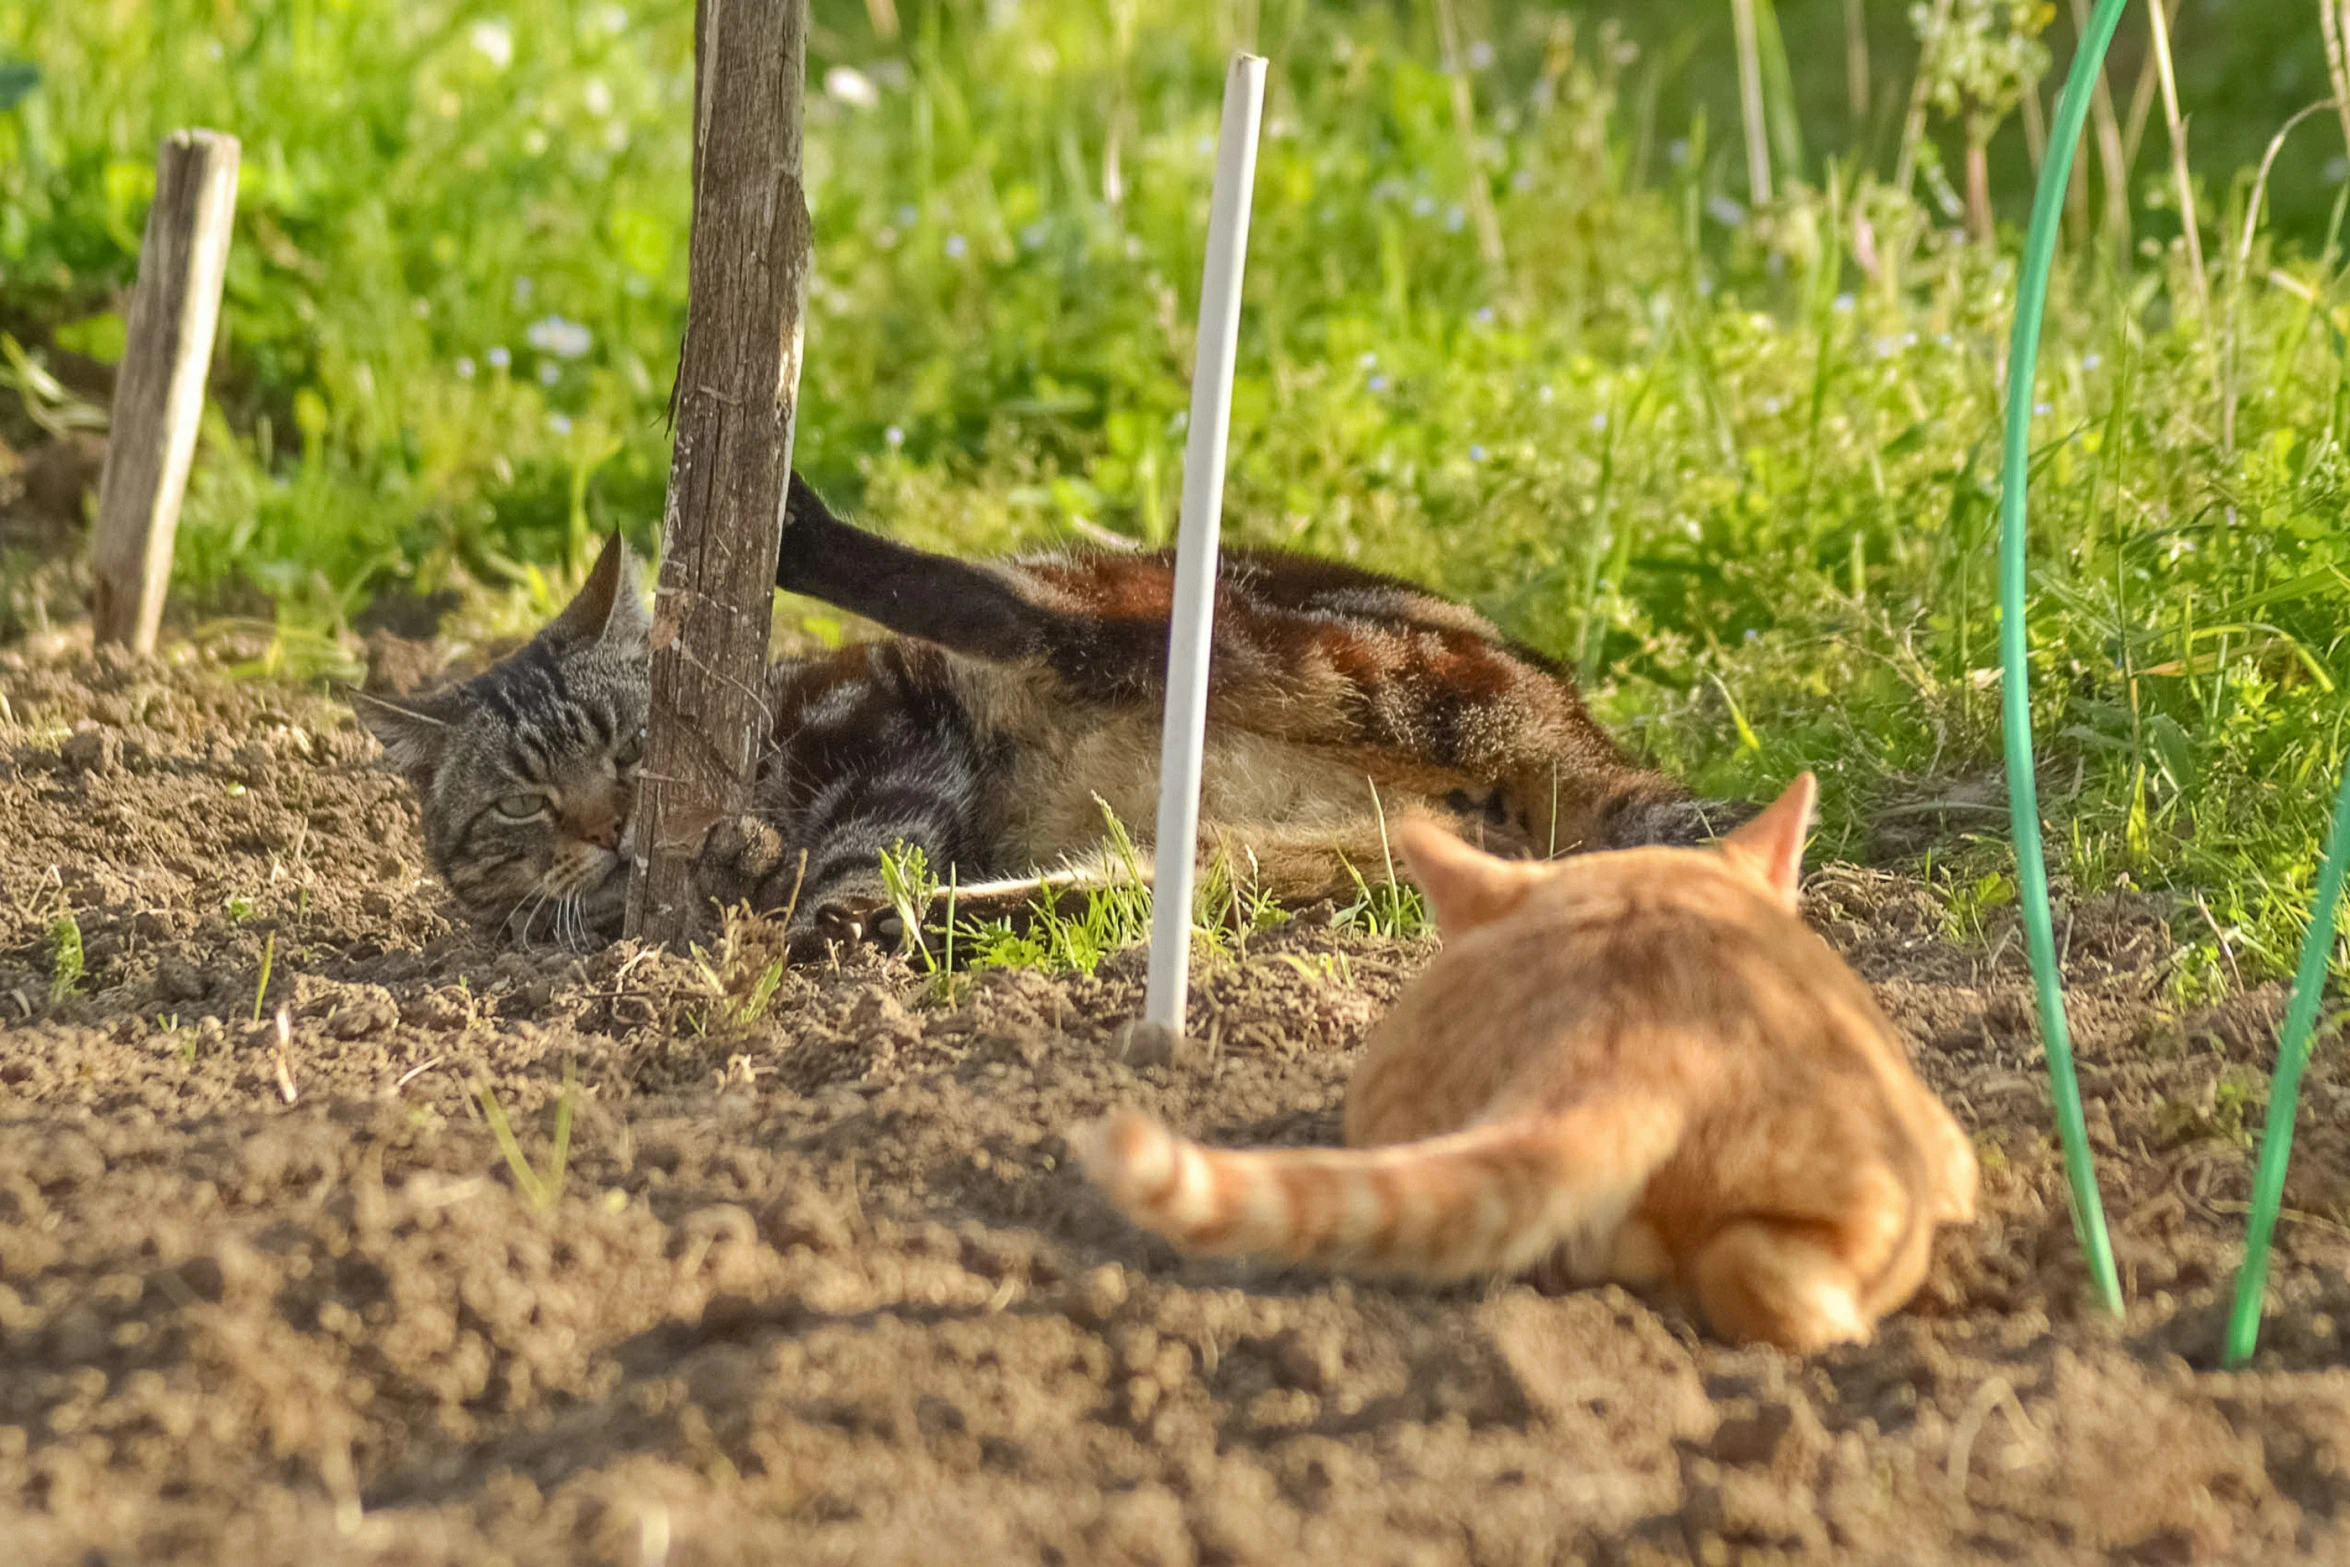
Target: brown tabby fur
x,y
1019,698
1637,1067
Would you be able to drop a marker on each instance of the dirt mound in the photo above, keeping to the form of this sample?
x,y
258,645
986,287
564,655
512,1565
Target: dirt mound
x,y
815,1282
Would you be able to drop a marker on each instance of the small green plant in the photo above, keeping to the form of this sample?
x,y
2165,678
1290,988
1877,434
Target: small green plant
x,y
268,961
542,1192
1980,58
1388,908
2225,1112
238,907
907,880
1392,908
1330,968
1969,902
64,946
743,974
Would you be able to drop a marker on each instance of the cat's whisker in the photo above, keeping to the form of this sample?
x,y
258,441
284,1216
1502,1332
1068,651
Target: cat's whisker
x,y
526,908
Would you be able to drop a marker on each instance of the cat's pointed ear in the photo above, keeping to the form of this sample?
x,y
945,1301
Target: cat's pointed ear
x,y
606,605
1770,847
413,731
1465,886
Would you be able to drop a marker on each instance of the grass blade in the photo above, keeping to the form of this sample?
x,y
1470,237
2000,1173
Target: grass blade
x,y
2284,1093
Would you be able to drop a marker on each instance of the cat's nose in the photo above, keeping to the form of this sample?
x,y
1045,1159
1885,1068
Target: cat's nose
x,y
600,826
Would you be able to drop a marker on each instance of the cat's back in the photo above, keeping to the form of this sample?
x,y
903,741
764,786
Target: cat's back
x,y
1797,1091
1113,586
1658,967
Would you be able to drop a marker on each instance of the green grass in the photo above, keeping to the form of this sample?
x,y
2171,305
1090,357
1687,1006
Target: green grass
x,y
541,1189
1737,466
64,946
1071,929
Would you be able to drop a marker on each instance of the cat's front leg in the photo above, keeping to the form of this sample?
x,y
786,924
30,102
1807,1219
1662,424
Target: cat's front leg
x,y
745,862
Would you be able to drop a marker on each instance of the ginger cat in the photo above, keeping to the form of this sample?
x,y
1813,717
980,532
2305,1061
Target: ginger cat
x,y
1637,1066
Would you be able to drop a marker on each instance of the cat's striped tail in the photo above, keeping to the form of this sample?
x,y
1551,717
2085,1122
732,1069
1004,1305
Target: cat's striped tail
x,y
1495,1199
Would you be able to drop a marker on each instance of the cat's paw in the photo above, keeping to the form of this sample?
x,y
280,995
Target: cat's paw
x,y
853,919
743,860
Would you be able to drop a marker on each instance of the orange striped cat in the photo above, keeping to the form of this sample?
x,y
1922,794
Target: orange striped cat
x,y
1638,1067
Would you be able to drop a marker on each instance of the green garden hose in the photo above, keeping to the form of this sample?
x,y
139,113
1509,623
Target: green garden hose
x,y
2023,793
2276,1140
2284,1091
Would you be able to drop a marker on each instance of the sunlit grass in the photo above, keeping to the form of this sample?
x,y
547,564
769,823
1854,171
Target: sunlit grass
x,y
1739,467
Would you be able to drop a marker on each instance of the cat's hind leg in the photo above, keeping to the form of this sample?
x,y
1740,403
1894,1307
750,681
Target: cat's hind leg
x,y
1782,1282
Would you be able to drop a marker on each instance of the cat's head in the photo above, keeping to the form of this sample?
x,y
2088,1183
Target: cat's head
x,y
1467,888
526,774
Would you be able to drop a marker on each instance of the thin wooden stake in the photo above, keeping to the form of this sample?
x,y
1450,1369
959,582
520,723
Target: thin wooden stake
x,y
738,379
159,391
1182,737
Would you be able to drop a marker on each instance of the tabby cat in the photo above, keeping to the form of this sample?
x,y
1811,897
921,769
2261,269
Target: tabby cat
x,y
1637,1067
1012,703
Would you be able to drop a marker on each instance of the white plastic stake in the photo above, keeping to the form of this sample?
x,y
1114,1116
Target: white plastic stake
x,y
1182,740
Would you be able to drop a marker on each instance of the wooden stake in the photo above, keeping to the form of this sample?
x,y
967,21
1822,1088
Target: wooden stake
x,y
738,379
159,392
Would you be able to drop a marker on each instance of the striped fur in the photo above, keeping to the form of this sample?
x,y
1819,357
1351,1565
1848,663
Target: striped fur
x,y
1012,703
1635,1066
526,774
1496,1198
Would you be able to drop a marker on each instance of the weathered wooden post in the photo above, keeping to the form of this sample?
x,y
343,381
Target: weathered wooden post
x,y
159,390
738,378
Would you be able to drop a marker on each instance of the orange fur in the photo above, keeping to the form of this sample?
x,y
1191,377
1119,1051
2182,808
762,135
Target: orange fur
x,y
1636,1066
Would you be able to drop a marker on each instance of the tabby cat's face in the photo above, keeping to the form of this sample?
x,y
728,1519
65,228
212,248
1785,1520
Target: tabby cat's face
x,y
526,774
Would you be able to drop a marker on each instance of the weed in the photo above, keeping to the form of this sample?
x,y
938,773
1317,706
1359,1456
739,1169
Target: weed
x,y
64,948
261,985
542,1192
1969,902
743,973
2227,1110
1390,908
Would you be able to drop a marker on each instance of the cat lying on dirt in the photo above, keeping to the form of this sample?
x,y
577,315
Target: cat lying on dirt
x,y
1638,1067
1013,702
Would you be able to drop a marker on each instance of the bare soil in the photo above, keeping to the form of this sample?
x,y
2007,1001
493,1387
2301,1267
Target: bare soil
x,y
818,1284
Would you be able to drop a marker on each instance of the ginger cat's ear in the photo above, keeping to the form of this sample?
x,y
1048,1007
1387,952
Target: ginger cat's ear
x,y
1771,846
1465,887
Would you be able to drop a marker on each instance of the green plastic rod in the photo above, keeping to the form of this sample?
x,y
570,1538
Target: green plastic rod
x,y
2284,1090
2023,792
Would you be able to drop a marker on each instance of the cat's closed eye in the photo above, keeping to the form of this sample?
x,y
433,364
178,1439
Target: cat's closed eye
x,y
629,752
521,807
